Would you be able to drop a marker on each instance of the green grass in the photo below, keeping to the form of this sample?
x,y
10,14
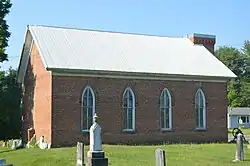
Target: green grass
x,y
177,155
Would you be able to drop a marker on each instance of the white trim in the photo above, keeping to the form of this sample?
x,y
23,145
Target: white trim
x,y
93,109
199,35
24,59
38,47
133,118
128,130
25,56
169,109
204,109
140,77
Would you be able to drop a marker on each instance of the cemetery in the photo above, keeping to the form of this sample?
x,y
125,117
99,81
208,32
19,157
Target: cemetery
x,y
124,84
96,154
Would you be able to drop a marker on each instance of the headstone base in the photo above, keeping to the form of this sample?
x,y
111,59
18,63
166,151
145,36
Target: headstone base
x,y
237,160
96,159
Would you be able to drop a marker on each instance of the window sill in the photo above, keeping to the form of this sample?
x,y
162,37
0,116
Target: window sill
x,y
129,131
84,131
166,130
200,129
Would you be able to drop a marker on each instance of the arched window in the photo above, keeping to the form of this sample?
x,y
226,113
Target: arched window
x,y
165,110
88,108
200,109
128,110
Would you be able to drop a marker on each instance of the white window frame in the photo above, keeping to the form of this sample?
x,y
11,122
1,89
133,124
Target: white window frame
x,y
166,108
240,117
82,106
203,127
133,109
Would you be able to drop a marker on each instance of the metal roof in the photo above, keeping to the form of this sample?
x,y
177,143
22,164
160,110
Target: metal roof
x,y
67,48
238,110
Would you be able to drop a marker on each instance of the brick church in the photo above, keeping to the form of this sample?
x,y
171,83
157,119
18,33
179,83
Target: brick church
x,y
144,88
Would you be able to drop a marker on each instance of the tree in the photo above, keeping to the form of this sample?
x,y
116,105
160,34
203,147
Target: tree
x,y
10,96
5,6
233,59
246,48
246,53
239,62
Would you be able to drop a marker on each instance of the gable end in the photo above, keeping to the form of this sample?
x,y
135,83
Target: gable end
x,y
25,55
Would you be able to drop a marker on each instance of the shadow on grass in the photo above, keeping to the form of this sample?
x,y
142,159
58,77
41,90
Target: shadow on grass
x,y
7,150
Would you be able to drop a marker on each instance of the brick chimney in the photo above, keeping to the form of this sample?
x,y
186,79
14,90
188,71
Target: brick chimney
x,y
203,39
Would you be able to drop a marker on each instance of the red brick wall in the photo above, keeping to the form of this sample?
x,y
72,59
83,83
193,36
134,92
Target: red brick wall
x,y
66,99
37,97
27,102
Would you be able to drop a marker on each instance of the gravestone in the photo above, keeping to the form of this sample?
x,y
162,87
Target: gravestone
x,y
80,154
17,144
42,144
32,142
239,155
96,156
2,162
160,158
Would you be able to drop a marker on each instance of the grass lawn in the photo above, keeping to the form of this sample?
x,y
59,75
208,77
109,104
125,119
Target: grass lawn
x,y
177,155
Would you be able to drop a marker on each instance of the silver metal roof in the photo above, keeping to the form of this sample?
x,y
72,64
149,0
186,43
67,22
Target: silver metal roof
x,y
239,111
111,51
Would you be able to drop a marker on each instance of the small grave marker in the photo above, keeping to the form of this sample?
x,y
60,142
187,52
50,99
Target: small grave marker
x,y
160,157
2,162
80,154
239,155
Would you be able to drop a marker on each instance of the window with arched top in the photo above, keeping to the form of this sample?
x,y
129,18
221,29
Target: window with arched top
x,y
128,110
88,108
165,110
200,109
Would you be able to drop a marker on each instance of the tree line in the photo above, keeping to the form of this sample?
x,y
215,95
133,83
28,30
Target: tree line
x,y
10,110
238,61
10,91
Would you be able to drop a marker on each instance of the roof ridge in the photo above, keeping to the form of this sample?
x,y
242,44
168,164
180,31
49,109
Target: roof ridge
x,y
107,31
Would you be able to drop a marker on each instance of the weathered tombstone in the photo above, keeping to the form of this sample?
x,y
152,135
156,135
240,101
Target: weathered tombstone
x,y
42,144
80,154
49,145
160,158
17,144
95,156
239,155
2,162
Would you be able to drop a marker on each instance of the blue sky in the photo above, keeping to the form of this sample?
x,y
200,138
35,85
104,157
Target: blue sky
x,y
227,19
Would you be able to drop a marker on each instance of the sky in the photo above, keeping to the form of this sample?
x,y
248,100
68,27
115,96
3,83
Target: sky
x,y
229,20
